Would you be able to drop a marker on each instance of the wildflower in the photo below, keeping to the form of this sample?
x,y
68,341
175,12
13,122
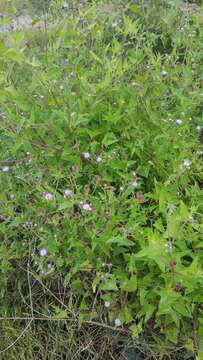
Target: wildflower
x,y
171,208
133,182
50,266
42,252
98,159
48,196
86,155
5,168
164,73
178,122
117,322
121,188
169,246
186,164
72,114
72,75
135,84
65,5
12,197
199,128
68,193
87,207
140,197
106,304
114,24
42,97
97,178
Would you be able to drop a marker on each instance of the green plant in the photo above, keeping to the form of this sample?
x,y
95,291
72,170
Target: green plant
x,y
101,202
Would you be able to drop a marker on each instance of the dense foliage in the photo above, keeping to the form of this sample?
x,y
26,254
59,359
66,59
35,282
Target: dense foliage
x,y
101,170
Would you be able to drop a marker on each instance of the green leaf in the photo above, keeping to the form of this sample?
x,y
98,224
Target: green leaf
x,y
109,285
120,241
65,204
143,170
95,57
184,214
109,139
130,285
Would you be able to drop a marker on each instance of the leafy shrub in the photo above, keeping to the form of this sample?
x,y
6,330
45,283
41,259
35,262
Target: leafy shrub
x,y
101,201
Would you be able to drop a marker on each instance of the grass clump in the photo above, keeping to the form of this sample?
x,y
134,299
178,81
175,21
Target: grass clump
x,y
101,178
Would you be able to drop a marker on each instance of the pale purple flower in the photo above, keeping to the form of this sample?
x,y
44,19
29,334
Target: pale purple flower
x,y
48,196
68,193
87,207
98,159
106,304
5,168
86,155
133,182
117,322
42,252
178,122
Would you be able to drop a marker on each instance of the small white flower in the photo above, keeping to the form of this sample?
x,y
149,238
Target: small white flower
x,y
117,322
12,197
48,196
106,304
114,24
50,266
178,122
199,128
121,188
98,159
171,208
65,5
164,73
186,164
5,168
87,207
86,155
42,252
68,193
72,114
